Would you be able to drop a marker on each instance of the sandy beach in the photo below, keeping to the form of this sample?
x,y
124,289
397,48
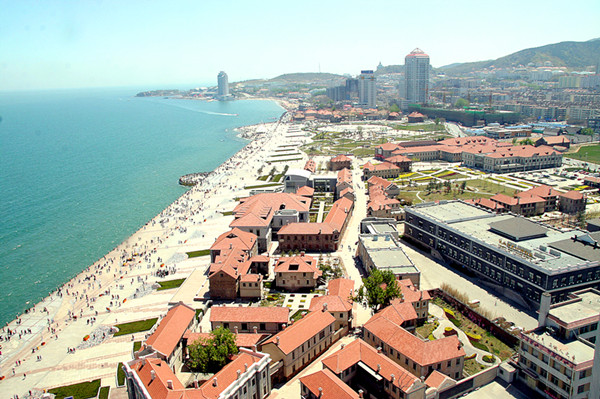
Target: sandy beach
x,y
45,347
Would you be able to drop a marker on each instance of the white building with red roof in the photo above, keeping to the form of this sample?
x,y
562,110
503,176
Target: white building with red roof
x,y
360,366
246,376
296,272
261,319
165,341
300,343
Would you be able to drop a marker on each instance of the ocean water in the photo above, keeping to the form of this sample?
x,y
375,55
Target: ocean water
x,y
81,170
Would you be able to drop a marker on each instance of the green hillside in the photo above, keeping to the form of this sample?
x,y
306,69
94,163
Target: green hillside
x,y
575,55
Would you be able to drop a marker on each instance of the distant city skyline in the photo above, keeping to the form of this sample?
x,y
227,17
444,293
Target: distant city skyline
x,y
77,44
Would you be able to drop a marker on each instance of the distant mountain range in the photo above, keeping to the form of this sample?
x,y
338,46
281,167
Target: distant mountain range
x,y
577,55
301,78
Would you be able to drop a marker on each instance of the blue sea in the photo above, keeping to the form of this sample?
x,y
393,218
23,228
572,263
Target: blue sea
x,y
81,170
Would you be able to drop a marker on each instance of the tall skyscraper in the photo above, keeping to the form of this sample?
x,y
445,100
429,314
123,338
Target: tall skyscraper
x,y
223,84
367,91
416,76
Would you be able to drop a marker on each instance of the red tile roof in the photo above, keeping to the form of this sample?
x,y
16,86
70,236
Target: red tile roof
x,y
485,203
248,314
306,229
234,238
341,158
305,191
410,293
228,374
338,213
574,195
360,351
325,385
157,387
294,264
299,332
341,286
258,210
344,175
504,199
421,352
436,379
416,114
381,166
335,303
171,328
543,191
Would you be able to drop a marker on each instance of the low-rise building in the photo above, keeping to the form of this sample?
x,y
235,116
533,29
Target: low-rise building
x,y
297,272
299,344
384,330
572,202
383,252
166,341
560,358
364,369
246,376
338,301
510,253
251,319
386,170
340,162
310,166
325,385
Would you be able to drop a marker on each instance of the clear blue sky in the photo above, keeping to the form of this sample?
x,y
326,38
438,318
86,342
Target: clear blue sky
x,y
63,44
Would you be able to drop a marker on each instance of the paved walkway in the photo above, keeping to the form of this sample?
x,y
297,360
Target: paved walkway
x,y
462,337
321,211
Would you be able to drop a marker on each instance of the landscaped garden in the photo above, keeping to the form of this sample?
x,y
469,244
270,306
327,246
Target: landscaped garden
x,y
479,338
587,153
135,326
170,284
83,390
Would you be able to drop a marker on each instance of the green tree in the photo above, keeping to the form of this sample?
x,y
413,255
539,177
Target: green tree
x,y
437,121
526,141
394,108
461,103
211,354
378,289
587,131
581,219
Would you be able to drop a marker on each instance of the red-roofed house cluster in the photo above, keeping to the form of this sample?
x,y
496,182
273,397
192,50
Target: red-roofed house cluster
x,y
382,199
316,237
535,201
235,266
478,152
151,374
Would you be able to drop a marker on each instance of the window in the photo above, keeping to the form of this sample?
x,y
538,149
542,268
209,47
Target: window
x,y
244,326
263,326
225,325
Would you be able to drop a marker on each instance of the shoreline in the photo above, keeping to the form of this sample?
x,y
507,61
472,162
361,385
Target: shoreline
x,y
75,296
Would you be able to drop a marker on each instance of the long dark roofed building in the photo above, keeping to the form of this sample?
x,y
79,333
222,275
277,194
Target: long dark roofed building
x,y
515,256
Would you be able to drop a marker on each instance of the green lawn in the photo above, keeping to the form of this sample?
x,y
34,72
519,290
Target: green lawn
x,y
285,160
262,186
473,367
104,393
426,127
195,254
227,213
170,284
120,375
135,326
426,329
588,153
83,390
137,345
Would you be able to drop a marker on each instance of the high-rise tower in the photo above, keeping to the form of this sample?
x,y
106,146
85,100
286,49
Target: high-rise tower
x,y
367,91
223,85
416,76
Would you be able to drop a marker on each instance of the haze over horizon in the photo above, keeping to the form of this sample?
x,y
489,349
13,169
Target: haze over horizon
x,y
78,44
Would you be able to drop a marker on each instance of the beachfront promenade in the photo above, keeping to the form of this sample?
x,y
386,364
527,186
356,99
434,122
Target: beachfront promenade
x,y
118,287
